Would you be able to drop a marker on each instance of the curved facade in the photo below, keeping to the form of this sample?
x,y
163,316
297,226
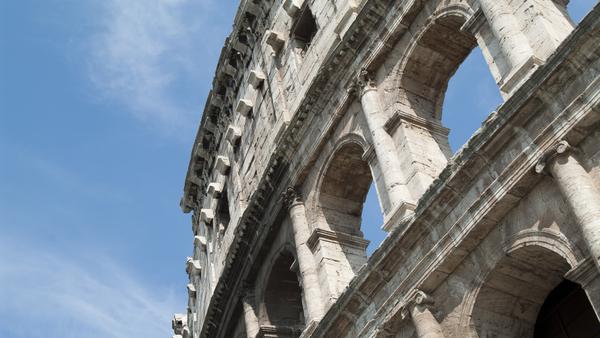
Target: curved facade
x,y
314,100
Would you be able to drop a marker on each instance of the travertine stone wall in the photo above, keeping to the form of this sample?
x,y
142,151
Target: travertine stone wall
x,y
315,100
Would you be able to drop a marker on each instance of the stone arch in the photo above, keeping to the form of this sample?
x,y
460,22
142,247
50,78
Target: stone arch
x,y
508,298
432,57
282,310
549,239
343,188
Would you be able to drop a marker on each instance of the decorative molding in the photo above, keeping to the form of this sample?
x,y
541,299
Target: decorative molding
x,y
335,237
369,154
400,117
272,331
583,273
474,23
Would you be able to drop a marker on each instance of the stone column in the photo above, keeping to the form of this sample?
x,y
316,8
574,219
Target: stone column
x,y
385,149
577,188
306,262
418,309
513,43
250,319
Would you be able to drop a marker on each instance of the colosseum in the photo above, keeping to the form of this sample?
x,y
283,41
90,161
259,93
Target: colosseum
x,y
315,100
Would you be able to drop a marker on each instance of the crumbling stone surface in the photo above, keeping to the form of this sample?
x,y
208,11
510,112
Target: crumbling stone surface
x,y
314,100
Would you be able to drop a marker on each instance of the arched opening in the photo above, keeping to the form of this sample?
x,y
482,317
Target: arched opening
x,y
471,95
342,195
344,190
509,302
283,299
434,59
567,313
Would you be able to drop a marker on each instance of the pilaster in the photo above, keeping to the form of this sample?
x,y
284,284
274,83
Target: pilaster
x,y
578,190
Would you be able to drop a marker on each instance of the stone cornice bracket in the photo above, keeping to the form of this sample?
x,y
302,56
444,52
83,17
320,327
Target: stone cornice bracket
x,y
418,298
291,197
561,147
178,322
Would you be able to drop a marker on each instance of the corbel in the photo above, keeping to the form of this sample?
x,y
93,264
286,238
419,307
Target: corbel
x,y
244,106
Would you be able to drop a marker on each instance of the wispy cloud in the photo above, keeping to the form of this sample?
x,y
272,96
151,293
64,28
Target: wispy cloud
x,y
152,57
46,294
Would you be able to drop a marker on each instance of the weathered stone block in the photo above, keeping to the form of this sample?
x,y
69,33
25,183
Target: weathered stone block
x,y
233,135
256,78
275,40
222,165
244,106
292,7
214,189
200,242
207,215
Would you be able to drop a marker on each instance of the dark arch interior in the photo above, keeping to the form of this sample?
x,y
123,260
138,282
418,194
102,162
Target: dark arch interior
x,y
344,190
567,313
283,296
509,301
434,60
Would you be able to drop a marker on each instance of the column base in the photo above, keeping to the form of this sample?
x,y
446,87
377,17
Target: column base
x,y
518,75
397,216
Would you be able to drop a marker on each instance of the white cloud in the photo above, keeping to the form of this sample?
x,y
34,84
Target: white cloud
x,y
46,294
152,57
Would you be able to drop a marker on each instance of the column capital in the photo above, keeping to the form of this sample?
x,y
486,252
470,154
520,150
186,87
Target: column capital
x,y
560,148
291,197
417,298
362,83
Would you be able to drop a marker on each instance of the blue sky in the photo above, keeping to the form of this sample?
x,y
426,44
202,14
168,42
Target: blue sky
x,y
99,104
